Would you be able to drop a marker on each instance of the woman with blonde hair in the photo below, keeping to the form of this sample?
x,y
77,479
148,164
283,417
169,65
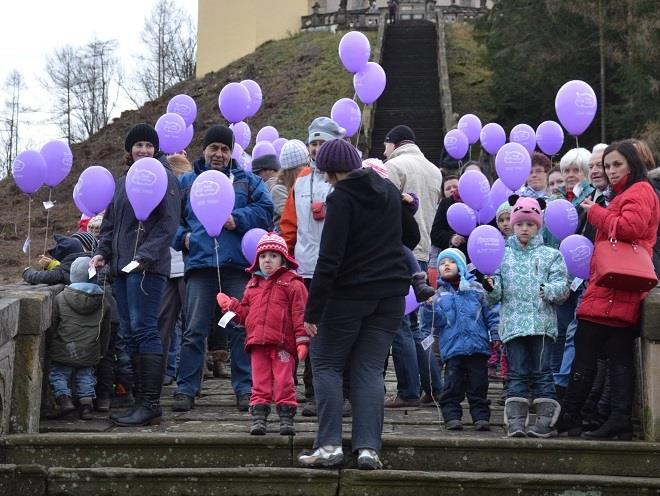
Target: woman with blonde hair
x,y
293,157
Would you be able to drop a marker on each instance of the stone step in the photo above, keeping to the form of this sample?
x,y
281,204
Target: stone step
x,y
414,448
259,481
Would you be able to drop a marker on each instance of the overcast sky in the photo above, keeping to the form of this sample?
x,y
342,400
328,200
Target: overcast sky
x,y
32,29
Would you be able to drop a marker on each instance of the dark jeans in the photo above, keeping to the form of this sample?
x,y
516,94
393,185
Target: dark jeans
x,y
170,309
466,375
138,303
565,315
430,368
358,333
529,362
201,290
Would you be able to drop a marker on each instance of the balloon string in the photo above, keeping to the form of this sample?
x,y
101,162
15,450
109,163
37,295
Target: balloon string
x,y
217,262
137,239
50,192
29,253
470,156
357,141
577,145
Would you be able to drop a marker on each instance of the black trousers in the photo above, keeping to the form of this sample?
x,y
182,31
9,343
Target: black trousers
x,y
466,376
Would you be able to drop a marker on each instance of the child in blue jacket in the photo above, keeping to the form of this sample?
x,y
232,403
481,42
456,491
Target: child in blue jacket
x,y
465,326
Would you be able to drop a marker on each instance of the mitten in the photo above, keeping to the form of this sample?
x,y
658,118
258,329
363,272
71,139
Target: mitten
x,y
224,301
302,352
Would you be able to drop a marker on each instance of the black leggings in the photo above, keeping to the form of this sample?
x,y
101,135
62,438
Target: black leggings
x,y
616,343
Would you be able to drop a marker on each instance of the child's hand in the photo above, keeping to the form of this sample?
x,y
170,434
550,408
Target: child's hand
x,y
302,352
224,301
406,198
488,284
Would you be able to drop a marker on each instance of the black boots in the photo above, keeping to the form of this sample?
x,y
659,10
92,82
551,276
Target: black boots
x,y
619,424
570,419
259,419
137,393
146,410
422,290
286,413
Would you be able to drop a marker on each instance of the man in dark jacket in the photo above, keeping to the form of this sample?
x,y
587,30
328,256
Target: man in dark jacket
x,y
253,207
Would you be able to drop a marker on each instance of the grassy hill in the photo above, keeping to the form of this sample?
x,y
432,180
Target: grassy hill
x,y
300,77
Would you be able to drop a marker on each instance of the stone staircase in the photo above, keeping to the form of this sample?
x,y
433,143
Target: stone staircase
x,y
411,96
208,451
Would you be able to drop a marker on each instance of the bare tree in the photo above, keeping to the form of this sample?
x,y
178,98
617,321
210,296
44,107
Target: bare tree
x,y
62,68
14,85
169,36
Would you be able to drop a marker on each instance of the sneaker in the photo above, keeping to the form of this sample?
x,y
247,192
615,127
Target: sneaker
x,y
454,425
398,402
482,425
368,460
309,410
325,456
243,402
183,403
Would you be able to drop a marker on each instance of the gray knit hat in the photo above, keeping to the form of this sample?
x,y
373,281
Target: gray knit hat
x,y
79,270
294,153
324,129
337,155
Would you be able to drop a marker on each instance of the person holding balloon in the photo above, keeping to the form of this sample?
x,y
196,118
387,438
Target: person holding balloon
x,y
137,229
531,280
214,258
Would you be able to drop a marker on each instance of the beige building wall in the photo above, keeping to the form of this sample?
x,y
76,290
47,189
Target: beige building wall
x,y
229,29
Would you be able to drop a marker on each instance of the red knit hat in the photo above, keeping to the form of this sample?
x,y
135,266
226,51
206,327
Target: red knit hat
x,y
273,242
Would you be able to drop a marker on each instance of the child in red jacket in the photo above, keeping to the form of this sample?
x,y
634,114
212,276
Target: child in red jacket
x,y
272,311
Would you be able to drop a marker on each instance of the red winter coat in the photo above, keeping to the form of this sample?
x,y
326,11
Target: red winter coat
x,y
638,211
272,311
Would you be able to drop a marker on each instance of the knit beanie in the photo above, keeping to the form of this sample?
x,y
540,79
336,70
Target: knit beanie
x,y
219,134
273,242
265,162
87,240
526,209
505,207
400,133
141,132
324,129
337,155
377,166
293,154
79,271
458,257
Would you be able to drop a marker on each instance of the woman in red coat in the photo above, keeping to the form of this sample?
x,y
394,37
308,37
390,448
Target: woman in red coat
x,y
608,319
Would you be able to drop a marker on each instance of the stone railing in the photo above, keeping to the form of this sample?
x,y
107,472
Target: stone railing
x,y
363,20
650,366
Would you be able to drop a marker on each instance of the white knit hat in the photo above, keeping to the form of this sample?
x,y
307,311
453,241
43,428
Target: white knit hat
x,y
294,153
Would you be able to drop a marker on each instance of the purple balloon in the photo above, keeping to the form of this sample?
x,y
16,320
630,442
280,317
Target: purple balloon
x,y
470,124
486,249
576,106
242,134
561,218
346,113
492,137
577,251
242,158
172,133
524,134
249,243
59,159
267,133
513,165
212,200
461,218
411,302
487,213
549,137
354,51
96,186
278,144
456,144
370,82
474,189
263,148
234,101
499,193
79,204
256,97
146,184
185,106
29,171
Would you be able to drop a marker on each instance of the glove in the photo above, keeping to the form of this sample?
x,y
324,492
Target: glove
x,y
488,284
302,352
224,301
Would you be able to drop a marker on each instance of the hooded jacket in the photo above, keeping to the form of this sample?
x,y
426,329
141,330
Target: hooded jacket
x,y
410,171
253,207
80,326
360,255
272,311
57,275
638,212
517,285
462,321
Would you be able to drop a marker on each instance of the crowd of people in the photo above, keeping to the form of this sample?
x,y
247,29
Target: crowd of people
x,y
346,239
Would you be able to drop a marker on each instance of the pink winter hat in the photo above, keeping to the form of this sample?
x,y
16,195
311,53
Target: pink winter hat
x,y
526,209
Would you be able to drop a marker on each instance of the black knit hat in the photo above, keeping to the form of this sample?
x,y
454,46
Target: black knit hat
x,y
337,155
400,133
219,134
141,132
265,162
